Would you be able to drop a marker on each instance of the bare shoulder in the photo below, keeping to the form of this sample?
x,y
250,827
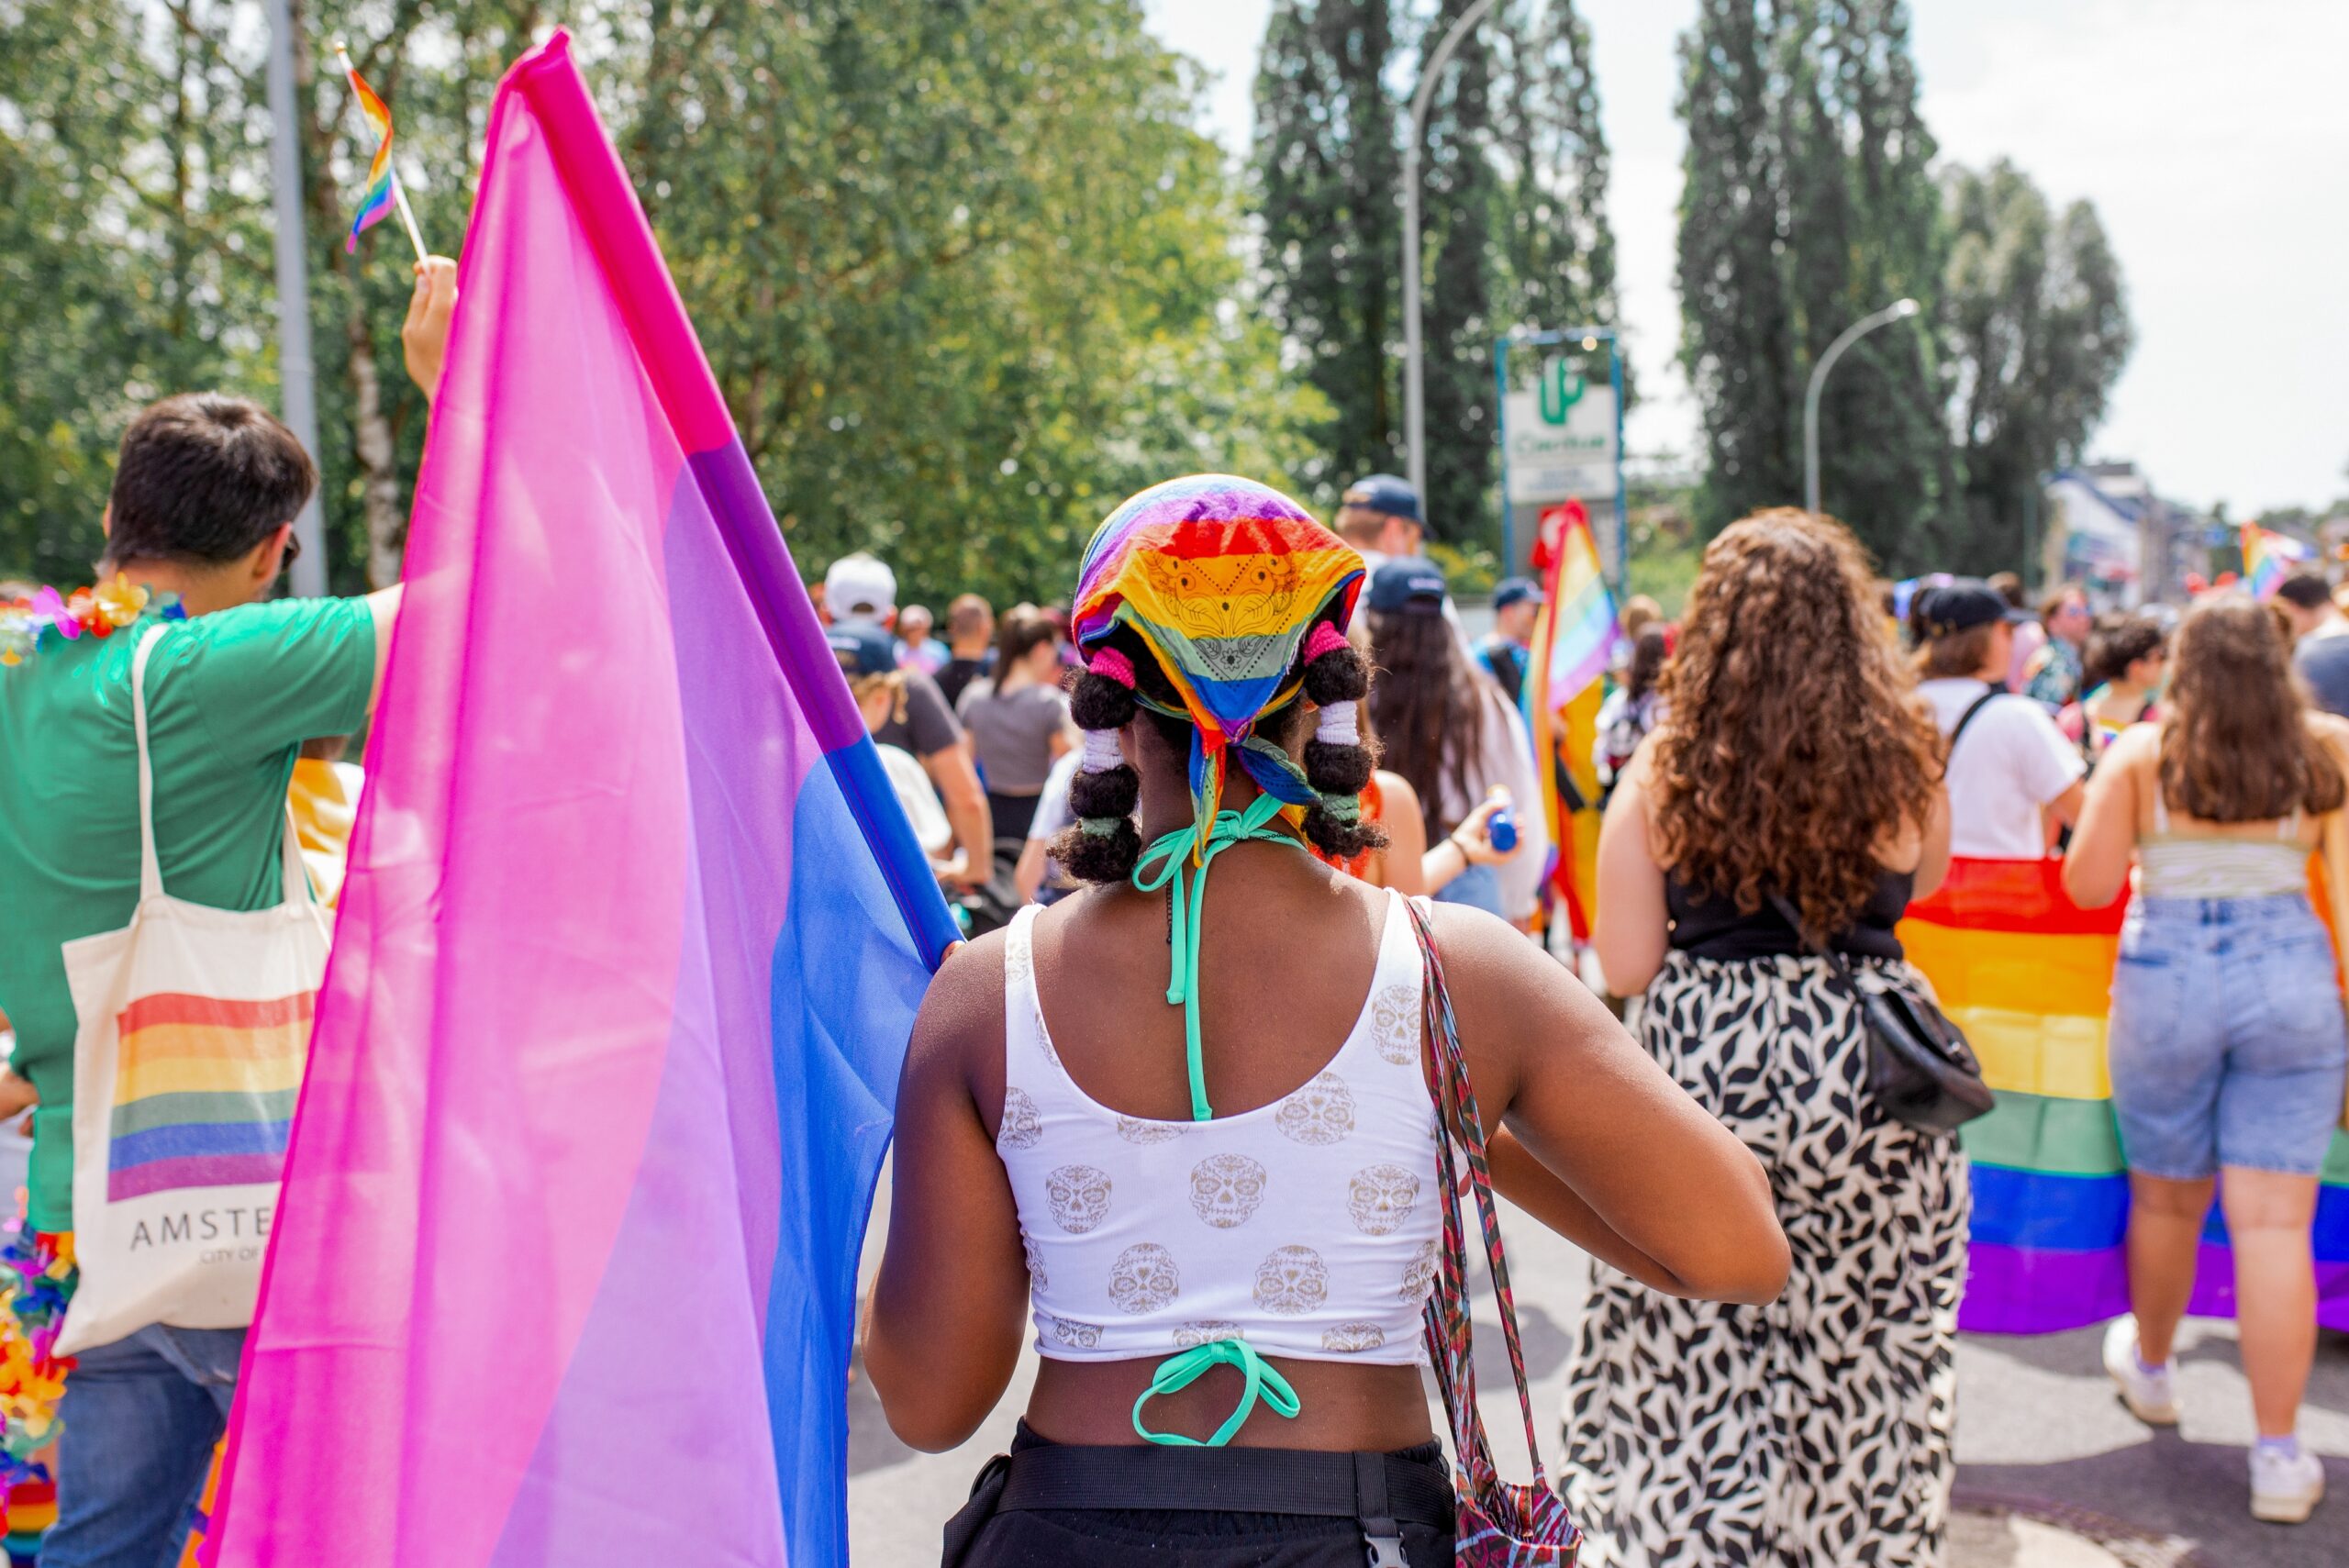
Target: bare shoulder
x,y
2331,729
962,1013
1498,975
2135,747
1399,798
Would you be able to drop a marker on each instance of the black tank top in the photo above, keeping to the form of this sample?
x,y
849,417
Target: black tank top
x,y
1707,927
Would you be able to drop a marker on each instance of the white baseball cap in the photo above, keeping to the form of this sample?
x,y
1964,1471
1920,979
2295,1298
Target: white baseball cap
x,y
859,585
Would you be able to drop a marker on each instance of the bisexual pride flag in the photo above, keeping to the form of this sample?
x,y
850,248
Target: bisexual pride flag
x,y
2028,976
630,948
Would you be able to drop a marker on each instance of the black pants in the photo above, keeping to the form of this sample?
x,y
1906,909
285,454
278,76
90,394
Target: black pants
x,y
1174,1538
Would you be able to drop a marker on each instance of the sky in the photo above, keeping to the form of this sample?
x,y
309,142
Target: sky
x,y
2212,137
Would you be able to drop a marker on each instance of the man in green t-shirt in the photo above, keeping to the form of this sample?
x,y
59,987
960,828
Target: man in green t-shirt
x,y
205,492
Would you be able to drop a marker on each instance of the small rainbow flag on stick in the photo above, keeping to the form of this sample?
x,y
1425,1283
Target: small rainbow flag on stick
x,y
383,192
2268,557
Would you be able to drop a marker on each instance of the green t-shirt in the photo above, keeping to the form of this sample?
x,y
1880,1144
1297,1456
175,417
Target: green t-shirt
x,y
231,697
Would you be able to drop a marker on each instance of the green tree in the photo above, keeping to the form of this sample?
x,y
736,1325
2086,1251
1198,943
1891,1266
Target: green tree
x,y
1514,172
1809,203
1460,205
940,255
1553,249
1327,164
2038,331
968,273
133,248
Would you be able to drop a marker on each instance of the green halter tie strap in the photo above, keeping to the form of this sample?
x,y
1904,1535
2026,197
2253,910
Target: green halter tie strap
x,y
1169,852
1178,1372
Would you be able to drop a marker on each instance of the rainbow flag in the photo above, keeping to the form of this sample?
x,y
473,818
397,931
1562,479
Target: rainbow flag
x,y
1580,625
626,960
1574,640
2268,557
2028,976
203,1092
376,201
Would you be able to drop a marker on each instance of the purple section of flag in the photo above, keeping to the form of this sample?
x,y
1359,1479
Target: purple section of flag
x,y
2026,1290
173,1174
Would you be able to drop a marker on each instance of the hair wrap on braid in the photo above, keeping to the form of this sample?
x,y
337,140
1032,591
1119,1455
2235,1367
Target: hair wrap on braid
x,y
1337,765
1105,843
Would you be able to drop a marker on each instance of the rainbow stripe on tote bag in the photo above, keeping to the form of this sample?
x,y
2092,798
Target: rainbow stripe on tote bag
x,y
204,1091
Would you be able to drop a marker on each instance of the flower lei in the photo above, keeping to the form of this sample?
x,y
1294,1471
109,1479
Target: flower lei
x,y
49,617
37,1280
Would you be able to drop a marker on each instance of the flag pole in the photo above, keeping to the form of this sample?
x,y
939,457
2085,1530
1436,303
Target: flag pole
x,y
408,216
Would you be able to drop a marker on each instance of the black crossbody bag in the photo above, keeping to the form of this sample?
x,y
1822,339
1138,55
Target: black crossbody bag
x,y
1920,1069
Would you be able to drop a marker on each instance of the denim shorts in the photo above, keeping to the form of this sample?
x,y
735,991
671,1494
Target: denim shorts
x,y
2227,1045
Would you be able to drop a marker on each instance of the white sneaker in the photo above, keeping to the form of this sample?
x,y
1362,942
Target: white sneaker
x,y
2148,1392
2285,1491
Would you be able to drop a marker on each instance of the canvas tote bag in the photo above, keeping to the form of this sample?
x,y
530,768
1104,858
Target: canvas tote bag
x,y
194,1024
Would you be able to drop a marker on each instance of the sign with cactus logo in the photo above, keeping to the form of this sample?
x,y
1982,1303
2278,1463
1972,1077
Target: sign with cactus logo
x,y
1561,437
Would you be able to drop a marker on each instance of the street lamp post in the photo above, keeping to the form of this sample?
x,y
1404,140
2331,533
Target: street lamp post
x,y
1898,310
1415,409
298,396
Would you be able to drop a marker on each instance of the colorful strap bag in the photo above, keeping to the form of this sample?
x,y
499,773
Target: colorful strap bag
x,y
1501,1524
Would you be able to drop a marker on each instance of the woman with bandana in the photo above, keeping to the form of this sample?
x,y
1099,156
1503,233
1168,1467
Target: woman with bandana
x,y
1185,1129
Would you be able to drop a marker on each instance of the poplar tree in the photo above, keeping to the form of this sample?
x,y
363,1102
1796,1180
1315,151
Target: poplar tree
x,y
1809,203
1513,208
1328,161
2038,333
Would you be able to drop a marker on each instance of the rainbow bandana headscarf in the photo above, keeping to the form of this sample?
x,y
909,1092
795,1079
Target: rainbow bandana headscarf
x,y
1222,577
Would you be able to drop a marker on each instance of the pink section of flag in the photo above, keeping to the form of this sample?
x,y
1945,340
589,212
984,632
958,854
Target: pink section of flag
x,y
510,936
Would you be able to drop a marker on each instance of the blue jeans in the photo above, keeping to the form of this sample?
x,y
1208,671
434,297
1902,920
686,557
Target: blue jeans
x,y
2227,1043
140,1417
1479,887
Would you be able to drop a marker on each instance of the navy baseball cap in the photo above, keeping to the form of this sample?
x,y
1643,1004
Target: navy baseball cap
x,y
862,649
1517,590
1385,493
1407,585
1961,605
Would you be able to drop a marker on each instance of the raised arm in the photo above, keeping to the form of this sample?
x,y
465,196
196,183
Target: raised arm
x,y
2095,866
1613,1154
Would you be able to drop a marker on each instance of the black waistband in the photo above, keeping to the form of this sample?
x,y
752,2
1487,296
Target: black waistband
x,y
1230,1480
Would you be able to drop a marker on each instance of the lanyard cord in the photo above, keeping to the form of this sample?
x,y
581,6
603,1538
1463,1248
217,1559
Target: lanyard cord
x,y
1179,1371
1170,851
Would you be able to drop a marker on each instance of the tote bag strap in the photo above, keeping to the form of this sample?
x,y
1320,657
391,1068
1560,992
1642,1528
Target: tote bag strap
x,y
1460,1153
151,868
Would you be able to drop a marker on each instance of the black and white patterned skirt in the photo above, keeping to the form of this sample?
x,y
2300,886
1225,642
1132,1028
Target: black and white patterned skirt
x,y
1815,1432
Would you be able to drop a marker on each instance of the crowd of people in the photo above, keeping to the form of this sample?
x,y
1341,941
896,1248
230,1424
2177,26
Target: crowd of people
x,y
979,739
1180,1127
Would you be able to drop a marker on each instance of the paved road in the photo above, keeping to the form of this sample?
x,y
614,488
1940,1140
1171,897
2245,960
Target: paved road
x,y
2037,1426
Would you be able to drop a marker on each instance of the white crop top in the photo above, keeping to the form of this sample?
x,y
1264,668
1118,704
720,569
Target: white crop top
x,y
1308,1227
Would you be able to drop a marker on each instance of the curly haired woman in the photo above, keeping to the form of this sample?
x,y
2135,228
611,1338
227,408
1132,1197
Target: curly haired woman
x,y
1223,1214
1793,763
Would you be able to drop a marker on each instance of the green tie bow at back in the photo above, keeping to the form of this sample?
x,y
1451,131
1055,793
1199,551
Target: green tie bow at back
x,y
1178,1372
1161,865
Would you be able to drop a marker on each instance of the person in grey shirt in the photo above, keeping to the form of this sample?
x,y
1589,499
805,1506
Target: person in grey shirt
x,y
1018,720
2321,634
